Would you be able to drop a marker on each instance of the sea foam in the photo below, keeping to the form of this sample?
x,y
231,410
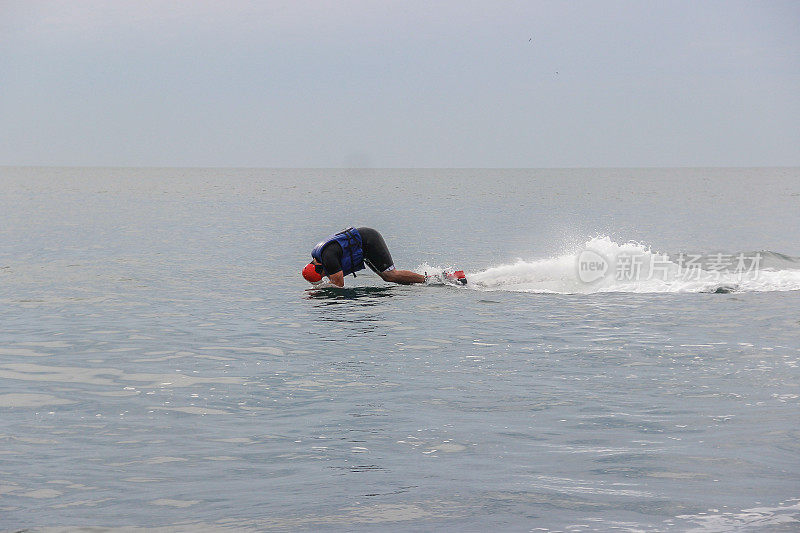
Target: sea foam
x,y
603,265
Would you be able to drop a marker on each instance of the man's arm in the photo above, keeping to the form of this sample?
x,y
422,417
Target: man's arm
x,y
331,262
337,279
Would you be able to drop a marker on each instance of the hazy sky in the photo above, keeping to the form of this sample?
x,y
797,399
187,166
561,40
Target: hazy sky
x,y
399,84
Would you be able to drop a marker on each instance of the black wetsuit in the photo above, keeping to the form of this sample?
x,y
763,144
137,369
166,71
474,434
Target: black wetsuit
x,y
376,254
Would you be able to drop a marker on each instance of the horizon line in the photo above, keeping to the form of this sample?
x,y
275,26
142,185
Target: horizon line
x,y
224,167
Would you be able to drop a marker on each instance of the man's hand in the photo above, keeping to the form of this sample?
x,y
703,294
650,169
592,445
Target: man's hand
x,y
337,279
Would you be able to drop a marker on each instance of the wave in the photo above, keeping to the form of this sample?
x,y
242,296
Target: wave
x,y
776,518
602,265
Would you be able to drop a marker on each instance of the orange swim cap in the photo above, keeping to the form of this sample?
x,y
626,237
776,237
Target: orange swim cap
x,y
311,274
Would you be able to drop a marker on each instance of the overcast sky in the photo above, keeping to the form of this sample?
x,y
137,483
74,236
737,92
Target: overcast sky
x,y
399,84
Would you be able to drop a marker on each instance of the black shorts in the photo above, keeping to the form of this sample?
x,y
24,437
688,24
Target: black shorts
x,y
376,253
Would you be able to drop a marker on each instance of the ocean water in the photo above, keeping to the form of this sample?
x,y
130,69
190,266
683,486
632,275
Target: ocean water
x,y
626,356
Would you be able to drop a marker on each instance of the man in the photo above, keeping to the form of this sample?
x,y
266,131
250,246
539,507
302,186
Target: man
x,y
348,251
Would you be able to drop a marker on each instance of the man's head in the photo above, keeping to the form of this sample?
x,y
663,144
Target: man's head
x,y
313,272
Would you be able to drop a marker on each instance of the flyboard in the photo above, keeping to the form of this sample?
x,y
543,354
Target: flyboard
x,y
450,278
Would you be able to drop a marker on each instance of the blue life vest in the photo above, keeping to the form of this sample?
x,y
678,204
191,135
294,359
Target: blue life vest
x,y
352,250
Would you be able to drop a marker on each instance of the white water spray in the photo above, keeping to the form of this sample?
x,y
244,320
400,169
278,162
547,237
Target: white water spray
x,y
606,266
